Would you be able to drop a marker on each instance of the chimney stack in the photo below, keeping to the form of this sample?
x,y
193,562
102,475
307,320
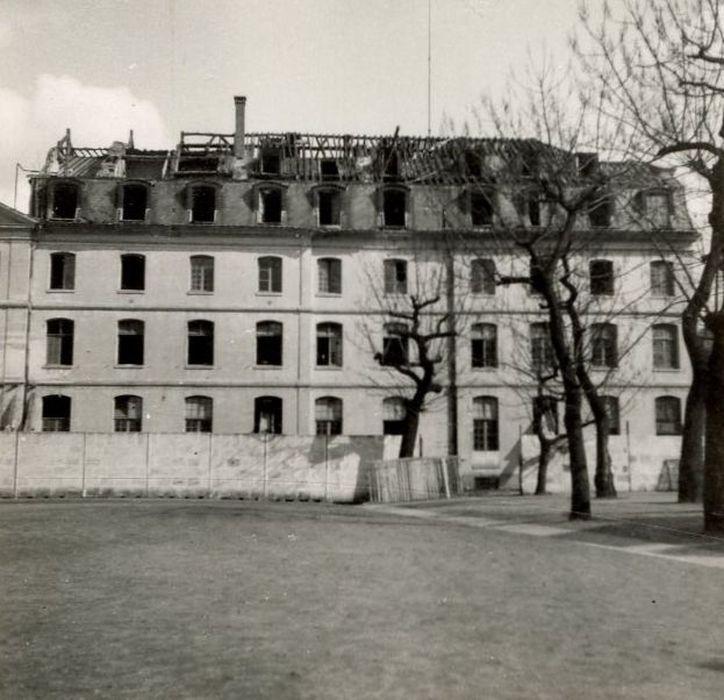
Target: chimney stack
x,y
239,132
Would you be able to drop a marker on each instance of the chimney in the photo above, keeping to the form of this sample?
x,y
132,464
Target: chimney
x,y
240,104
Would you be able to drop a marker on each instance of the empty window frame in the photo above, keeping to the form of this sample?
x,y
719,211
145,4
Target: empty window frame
x,y
329,345
482,276
545,415
600,213
394,207
329,275
127,414
270,274
134,202
329,207
481,209
199,414
484,345
328,416
541,348
485,424
393,416
614,415
56,413
271,161
271,205
59,342
200,343
202,273
662,278
537,279
202,204
601,277
62,271
666,346
269,342
66,201
604,345
133,272
395,276
668,415
395,345
328,169
268,415
130,342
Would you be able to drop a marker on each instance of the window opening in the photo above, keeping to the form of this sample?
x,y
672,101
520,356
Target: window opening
x,y
482,276
56,414
601,277
202,273
133,272
485,424
268,415
134,202
269,343
662,278
666,350
329,207
270,274
127,414
604,352
62,271
484,345
395,345
200,343
130,342
59,341
394,204
65,201
330,275
199,414
668,415
328,416
271,205
395,276
329,345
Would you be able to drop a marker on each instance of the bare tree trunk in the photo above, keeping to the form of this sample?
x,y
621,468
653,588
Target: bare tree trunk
x,y
546,450
603,479
714,462
691,459
409,435
580,487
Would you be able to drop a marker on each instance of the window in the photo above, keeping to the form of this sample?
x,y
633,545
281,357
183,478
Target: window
x,y
59,342
395,345
199,414
393,416
268,415
668,415
201,343
329,345
604,341
658,209
485,424
269,343
599,213
541,348
662,278
328,169
270,205
329,273
62,271
614,417
394,205
66,197
202,273
56,414
329,207
134,202
484,344
202,209
481,209
328,416
545,415
395,277
666,347
133,272
127,414
271,162
601,277
482,276
130,342
537,278
270,274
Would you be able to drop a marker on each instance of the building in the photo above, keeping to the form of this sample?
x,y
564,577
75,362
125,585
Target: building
x,y
242,283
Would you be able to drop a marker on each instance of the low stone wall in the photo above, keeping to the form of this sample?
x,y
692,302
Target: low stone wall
x,y
187,465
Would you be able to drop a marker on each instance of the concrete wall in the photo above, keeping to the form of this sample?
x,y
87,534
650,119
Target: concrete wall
x,y
187,465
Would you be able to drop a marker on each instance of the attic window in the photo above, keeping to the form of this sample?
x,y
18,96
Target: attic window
x,y
135,200
394,206
481,209
203,204
328,169
329,207
587,164
270,162
270,205
65,201
599,214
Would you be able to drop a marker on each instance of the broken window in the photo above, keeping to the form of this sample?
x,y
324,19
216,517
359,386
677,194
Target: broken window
x,y
269,343
329,272
614,416
329,345
541,348
62,271
393,416
199,414
328,416
130,342
666,346
395,276
270,274
601,277
133,272
200,343
268,415
134,202
271,163
270,205
484,345
202,273
329,202
485,424
328,169
668,415
599,213
203,204
604,341
395,345
59,341
482,276
66,198
56,413
394,206
481,209
127,414
662,278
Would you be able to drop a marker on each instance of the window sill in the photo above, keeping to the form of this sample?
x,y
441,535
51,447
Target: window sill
x,y
268,294
332,227
58,366
329,368
130,291
486,368
132,221
668,370
59,291
661,297
276,224
128,366
268,366
199,293
198,366
202,223
483,294
333,295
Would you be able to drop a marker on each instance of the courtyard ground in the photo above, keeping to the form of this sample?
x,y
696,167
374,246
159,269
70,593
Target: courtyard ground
x,y
496,597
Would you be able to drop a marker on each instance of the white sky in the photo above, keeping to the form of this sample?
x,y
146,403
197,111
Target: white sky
x,y
102,67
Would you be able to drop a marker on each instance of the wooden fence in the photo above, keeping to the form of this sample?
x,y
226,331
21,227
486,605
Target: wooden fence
x,y
414,479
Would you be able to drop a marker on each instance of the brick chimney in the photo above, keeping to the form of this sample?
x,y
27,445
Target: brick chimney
x,y
239,131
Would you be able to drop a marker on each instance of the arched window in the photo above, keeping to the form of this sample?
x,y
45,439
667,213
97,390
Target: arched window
x,y
395,345
668,415
270,274
485,424
56,413
133,272
268,415
200,343
604,345
202,205
199,414
134,202
329,275
393,416
666,346
59,342
269,343
328,416
127,414
202,273
130,342
62,271
329,345
484,345
271,205
65,202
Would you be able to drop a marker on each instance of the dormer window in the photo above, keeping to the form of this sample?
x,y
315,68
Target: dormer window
x,y
134,202
271,162
202,204
599,213
66,201
394,207
270,205
481,209
328,169
329,207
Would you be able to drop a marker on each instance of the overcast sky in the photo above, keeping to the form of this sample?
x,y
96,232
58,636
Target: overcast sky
x,y
102,67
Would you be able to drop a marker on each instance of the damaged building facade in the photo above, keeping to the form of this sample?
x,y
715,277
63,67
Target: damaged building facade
x,y
244,283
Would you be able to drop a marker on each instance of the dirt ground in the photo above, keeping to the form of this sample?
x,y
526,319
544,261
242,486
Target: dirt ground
x,y
198,599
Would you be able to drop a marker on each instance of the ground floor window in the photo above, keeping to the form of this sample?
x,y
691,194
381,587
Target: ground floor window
x,y
199,414
328,416
393,416
485,424
56,414
127,414
268,415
